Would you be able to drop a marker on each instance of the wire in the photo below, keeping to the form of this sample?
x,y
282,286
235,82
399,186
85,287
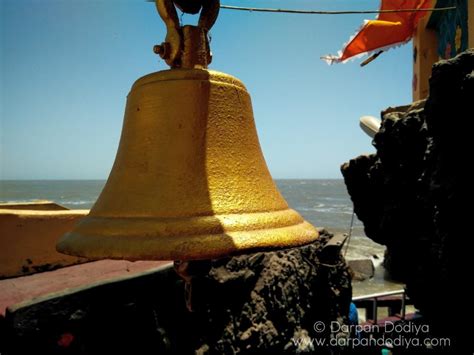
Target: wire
x,y
309,12
350,232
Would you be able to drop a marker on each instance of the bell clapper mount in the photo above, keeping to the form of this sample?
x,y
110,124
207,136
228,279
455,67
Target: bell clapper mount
x,y
187,46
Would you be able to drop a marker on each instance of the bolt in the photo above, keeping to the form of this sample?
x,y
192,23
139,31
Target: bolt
x,y
162,50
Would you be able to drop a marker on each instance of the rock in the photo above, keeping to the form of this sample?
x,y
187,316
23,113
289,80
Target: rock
x,y
266,301
412,196
363,269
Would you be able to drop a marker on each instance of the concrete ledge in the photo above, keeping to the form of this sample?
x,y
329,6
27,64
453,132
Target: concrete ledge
x,y
28,240
83,303
39,205
21,291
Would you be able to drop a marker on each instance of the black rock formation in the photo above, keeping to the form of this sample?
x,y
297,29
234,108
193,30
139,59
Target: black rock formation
x,y
414,196
270,302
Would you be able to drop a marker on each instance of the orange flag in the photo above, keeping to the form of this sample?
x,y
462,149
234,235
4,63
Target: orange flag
x,y
387,31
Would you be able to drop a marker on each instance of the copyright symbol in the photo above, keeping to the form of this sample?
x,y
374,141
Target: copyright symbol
x,y
319,326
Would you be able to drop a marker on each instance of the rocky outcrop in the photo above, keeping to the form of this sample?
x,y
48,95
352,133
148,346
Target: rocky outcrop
x,y
412,196
270,302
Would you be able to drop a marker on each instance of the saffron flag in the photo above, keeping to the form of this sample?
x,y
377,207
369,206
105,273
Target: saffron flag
x,y
390,29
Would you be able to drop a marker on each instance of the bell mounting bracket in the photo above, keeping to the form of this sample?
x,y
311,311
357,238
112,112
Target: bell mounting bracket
x,y
186,46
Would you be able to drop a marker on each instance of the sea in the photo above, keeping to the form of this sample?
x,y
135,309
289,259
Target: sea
x,y
323,203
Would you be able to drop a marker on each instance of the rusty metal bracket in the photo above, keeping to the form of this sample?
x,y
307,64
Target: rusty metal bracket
x,y
175,46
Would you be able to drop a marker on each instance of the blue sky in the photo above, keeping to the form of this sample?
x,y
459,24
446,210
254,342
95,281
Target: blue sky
x,y
67,66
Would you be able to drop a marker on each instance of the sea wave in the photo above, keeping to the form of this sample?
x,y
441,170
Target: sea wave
x,y
333,198
20,201
75,203
323,208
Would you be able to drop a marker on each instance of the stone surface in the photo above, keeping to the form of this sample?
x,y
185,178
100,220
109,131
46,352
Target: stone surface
x,y
362,268
278,296
412,196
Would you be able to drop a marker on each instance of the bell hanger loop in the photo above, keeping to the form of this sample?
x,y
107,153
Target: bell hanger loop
x,y
187,46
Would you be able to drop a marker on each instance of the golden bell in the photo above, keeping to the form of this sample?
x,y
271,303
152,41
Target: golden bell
x,y
189,180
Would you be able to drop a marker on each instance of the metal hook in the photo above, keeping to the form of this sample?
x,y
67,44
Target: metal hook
x,y
209,13
171,48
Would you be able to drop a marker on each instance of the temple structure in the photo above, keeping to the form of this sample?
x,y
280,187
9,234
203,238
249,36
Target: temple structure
x,y
442,35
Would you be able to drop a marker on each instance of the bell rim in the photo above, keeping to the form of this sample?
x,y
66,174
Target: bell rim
x,y
186,246
186,238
